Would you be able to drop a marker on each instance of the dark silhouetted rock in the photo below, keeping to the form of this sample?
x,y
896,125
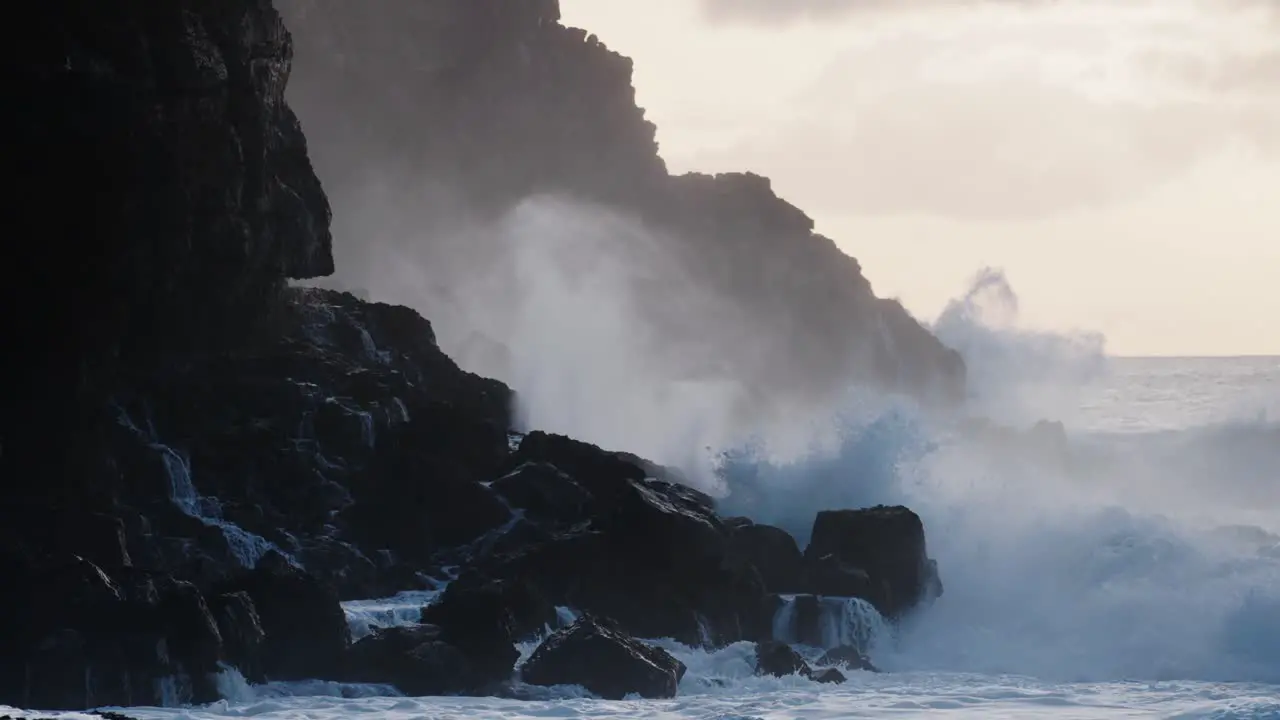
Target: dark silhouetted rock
x,y
846,657
828,676
192,637
75,637
545,494
415,661
599,656
773,552
807,618
779,660
829,575
654,556
886,543
484,621
306,632
242,634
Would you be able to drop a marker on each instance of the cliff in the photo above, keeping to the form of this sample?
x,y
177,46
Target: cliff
x,y
467,107
163,195
201,462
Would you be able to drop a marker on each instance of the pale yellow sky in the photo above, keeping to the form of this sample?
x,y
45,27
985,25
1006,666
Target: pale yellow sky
x,y
1119,159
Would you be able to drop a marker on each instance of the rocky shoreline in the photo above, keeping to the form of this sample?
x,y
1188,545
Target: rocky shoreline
x,y
350,446
202,462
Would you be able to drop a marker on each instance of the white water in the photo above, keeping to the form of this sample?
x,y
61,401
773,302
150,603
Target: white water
x,y
246,547
365,616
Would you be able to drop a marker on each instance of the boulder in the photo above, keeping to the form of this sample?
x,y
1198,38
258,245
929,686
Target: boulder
x,y
847,657
828,676
306,632
599,656
829,575
779,660
653,558
415,661
425,489
545,494
192,637
76,638
886,543
773,552
484,621
242,634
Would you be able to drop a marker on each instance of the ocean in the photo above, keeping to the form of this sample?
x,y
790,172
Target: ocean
x,y
1123,564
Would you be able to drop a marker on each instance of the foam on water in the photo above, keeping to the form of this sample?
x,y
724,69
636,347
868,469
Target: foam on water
x,y
904,695
405,608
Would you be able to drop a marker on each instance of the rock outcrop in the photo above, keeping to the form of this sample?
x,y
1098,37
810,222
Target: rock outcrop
x,y
461,109
597,655
779,660
202,462
163,195
648,553
877,553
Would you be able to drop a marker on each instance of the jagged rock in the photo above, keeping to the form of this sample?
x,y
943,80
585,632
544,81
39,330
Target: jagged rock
x,y
242,634
192,637
846,657
484,622
773,552
828,676
779,660
829,575
599,656
654,556
306,632
75,637
545,494
887,543
425,490
416,661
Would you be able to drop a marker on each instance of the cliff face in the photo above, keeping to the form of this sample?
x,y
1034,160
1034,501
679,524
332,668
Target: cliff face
x,y
164,195
470,106
199,462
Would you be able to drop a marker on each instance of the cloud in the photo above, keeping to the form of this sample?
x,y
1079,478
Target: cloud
x,y
996,113
773,11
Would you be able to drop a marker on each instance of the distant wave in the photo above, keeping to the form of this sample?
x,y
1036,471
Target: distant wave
x,y
1073,551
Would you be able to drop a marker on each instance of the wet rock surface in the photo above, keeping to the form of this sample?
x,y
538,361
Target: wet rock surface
x,y
875,553
779,660
846,657
599,656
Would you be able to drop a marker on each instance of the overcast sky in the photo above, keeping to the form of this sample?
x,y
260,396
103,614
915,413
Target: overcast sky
x,y
1119,159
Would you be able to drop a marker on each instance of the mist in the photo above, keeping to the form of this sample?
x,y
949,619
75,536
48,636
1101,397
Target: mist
x,y
1105,548
592,317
